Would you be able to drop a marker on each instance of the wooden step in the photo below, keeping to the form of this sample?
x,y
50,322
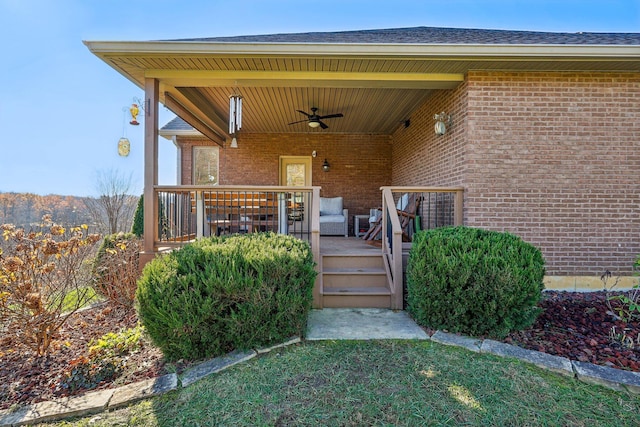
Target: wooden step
x,y
379,297
339,261
354,281
354,278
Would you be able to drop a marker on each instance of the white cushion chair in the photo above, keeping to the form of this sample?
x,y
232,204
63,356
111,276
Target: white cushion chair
x,y
334,220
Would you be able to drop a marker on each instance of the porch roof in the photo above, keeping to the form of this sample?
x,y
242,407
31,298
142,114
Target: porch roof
x,y
376,78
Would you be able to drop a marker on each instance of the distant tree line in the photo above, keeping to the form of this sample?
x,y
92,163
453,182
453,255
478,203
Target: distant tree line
x,y
104,214
111,212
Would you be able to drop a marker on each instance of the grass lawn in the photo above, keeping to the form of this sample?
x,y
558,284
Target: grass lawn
x,y
355,383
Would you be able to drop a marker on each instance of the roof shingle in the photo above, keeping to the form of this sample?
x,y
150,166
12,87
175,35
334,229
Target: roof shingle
x,y
434,35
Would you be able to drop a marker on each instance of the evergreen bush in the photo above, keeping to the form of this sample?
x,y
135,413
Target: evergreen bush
x,y
137,227
224,293
474,281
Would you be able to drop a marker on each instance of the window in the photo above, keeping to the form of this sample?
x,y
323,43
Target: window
x,y
205,165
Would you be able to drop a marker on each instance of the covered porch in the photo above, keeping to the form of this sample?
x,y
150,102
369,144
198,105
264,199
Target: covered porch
x,y
316,102
352,272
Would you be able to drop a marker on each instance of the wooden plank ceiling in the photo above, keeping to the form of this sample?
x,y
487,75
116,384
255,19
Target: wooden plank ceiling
x,y
375,95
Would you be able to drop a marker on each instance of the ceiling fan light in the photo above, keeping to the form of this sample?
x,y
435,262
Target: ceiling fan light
x,y
314,124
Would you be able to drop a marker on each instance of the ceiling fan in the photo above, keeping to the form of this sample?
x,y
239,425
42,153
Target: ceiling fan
x,y
314,119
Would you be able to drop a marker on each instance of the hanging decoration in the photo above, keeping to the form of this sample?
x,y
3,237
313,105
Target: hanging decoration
x,y
134,110
235,113
235,117
124,146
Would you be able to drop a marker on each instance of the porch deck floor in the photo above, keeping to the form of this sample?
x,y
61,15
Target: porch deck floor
x,y
346,246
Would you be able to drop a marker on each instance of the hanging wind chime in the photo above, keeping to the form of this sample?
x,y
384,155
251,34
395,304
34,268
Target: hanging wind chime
x,y
235,117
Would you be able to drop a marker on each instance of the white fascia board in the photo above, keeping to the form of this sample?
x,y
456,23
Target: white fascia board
x,y
370,50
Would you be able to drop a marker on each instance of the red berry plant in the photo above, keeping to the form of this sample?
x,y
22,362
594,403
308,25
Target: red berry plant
x,y
43,280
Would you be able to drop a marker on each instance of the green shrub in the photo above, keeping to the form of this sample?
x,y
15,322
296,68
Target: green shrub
x,y
225,293
106,360
116,268
474,281
137,227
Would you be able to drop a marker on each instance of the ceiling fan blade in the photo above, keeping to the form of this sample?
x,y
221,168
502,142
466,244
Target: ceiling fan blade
x,y
322,125
331,116
299,121
306,114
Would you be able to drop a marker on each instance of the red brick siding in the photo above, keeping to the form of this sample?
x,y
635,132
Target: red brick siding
x,y
554,158
360,164
420,157
551,157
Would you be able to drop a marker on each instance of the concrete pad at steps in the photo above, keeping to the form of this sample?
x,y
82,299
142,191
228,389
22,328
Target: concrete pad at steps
x,y
89,403
558,364
141,390
361,324
215,365
446,338
612,378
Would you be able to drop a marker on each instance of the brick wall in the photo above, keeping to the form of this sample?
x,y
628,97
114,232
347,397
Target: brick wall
x,y
556,159
420,157
360,164
551,157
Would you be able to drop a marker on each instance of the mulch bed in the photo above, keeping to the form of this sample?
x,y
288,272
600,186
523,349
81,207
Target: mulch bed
x,y
26,379
578,326
573,325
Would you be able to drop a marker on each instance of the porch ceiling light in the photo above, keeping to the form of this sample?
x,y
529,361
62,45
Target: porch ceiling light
x,y
313,124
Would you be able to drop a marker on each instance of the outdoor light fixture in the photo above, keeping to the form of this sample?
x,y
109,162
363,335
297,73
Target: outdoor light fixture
x,y
234,143
313,124
441,126
325,166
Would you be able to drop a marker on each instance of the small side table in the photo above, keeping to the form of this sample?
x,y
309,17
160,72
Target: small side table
x,y
357,230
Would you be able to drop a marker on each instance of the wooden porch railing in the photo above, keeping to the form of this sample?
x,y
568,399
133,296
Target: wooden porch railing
x,y
436,207
185,213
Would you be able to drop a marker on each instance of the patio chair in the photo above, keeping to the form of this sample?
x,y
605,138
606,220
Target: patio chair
x,y
333,217
407,208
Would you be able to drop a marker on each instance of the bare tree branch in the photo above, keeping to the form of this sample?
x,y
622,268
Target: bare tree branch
x,y
112,211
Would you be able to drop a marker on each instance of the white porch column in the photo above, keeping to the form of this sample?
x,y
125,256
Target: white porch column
x,y
151,98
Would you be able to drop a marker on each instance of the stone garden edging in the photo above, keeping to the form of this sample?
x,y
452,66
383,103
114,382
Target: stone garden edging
x,y
99,401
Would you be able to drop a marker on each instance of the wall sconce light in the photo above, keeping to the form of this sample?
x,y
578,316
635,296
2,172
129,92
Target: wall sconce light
x,y
442,121
314,153
234,143
325,166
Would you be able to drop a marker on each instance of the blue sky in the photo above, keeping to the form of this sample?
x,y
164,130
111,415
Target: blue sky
x,y
61,108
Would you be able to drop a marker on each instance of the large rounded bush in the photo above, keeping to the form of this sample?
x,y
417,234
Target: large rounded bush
x,y
226,293
474,281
